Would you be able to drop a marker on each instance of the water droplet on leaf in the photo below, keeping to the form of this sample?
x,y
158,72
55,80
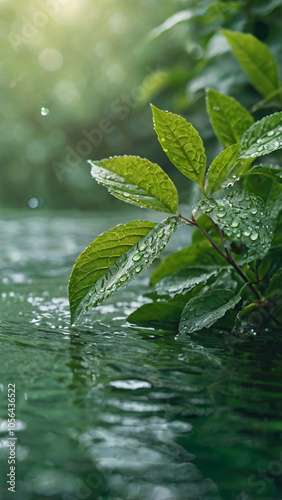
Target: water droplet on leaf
x,y
136,257
254,236
44,111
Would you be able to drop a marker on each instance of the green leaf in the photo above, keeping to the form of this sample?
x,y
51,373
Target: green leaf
x,y
115,258
158,315
274,202
263,137
182,144
92,264
229,119
275,286
185,280
138,181
206,308
272,171
256,60
179,17
244,216
198,254
224,170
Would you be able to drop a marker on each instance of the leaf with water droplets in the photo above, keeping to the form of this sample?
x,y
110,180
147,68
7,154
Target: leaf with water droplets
x,y
185,280
263,137
198,254
92,264
137,181
115,258
206,308
182,144
256,60
229,119
272,171
244,216
224,170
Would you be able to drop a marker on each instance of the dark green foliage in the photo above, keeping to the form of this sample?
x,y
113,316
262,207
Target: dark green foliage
x,y
233,263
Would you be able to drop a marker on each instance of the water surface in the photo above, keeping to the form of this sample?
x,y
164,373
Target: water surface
x,y
110,411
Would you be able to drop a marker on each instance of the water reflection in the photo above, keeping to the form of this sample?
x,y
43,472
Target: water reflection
x,y
109,411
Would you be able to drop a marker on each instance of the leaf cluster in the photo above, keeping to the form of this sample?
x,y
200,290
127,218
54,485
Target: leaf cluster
x,y
233,265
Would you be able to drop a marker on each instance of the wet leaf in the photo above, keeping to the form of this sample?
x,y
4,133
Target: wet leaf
x,y
137,181
263,137
198,254
157,314
224,170
185,280
256,60
272,171
244,216
206,308
229,119
182,144
115,258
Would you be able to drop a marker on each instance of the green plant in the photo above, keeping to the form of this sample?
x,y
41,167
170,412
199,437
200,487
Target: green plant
x,y
233,265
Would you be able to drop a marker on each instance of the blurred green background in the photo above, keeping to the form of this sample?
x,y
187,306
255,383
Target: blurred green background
x,y
96,65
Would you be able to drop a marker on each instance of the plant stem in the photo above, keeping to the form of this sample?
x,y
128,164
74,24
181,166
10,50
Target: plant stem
x,y
228,257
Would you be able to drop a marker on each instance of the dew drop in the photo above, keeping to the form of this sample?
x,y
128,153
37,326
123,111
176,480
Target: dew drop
x,y
136,257
253,211
247,233
142,247
216,108
138,269
254,236
238,235
44,111
221,214
235,223
271,132
123,278
258,141
160,234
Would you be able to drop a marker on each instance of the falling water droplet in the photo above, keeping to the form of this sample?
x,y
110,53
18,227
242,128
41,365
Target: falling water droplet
x,y
44,111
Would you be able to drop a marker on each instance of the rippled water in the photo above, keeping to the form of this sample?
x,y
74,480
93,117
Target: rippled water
x,y
107,410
